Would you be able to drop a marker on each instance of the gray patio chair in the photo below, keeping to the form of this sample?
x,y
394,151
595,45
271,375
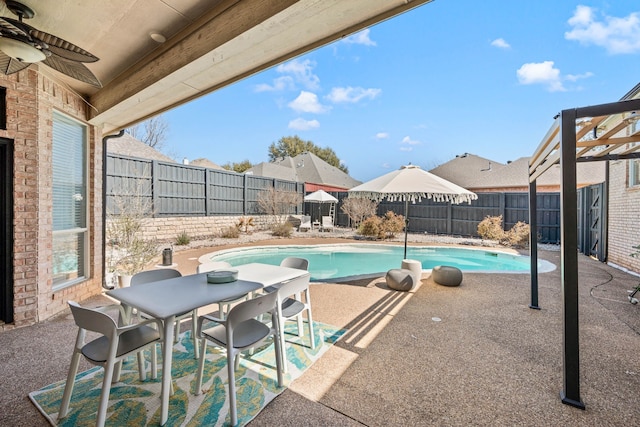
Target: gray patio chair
x,y
238,332
115,344
156,276
294,298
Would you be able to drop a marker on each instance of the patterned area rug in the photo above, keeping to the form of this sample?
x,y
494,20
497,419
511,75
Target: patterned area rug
x,y
133,402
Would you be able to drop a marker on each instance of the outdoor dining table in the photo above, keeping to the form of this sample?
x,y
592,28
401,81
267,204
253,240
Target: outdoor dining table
x,y
167,298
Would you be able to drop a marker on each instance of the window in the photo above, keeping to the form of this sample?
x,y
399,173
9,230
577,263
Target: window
x,y
70,195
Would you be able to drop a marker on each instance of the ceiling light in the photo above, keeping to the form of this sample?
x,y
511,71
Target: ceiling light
x,y
21,51
157,37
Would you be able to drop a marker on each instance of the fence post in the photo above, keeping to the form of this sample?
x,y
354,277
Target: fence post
x,y
245,192
207,191
503,210
449,218
154,188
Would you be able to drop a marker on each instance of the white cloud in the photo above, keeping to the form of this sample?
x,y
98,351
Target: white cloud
x,y
616,35
382,135
541,73
407,140
501,43
407,144
351,94
576,77
307,102
386,165
361,37
302,124
294,71
281,83
301,72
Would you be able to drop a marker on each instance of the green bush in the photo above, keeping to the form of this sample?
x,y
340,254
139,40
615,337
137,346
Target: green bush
x,y
183,239
282,230
230,233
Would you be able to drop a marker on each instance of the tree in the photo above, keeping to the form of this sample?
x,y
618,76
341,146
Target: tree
x,y
278,203
358,209
293,145
152,132
240,167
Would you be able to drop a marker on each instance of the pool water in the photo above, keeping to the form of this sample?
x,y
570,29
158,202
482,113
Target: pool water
x,y
348,260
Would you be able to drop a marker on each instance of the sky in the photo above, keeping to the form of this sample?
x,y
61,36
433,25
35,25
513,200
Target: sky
x,y
447,78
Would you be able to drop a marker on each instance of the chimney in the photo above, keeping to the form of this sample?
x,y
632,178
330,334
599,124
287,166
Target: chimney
x,y
185,161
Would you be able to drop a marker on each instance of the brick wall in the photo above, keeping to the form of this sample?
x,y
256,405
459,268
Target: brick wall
x,y
31,100
624,214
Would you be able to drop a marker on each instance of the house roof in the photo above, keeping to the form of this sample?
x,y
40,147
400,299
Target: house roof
x,y
305,167
465,169
205,163
127,145
311,168
515,174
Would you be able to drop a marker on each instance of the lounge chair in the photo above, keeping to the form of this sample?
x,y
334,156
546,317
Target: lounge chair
x,y
305,223
327,223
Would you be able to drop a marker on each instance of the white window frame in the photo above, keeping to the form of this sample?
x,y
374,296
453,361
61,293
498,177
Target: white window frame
x,y
81,232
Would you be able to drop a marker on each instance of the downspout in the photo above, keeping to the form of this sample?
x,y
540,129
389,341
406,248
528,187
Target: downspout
x,y
104,206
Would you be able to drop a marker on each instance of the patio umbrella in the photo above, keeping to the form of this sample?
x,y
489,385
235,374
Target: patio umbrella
x,y
408,184
320,197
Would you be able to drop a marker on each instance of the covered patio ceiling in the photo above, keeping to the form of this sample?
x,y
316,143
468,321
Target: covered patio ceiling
x,y
209,44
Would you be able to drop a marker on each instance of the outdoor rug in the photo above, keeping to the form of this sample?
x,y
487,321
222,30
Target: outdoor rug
x,y
137,403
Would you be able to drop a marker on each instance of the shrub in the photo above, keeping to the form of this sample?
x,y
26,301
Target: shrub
x,y
371,227
392,223
183,239
282,230
490,228
518,236
230,233
244,224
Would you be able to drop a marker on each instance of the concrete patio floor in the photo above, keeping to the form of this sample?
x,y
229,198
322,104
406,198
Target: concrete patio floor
x,y
471,355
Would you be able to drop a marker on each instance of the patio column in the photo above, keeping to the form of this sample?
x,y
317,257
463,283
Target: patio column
x,y
533,243
570,394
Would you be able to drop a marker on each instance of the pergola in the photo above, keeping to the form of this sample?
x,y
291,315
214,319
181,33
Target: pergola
x,y
595,133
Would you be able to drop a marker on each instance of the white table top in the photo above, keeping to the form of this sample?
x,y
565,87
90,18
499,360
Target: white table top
x,y
170,297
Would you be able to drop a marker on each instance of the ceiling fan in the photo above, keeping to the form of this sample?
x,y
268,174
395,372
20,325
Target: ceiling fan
x,y
21,45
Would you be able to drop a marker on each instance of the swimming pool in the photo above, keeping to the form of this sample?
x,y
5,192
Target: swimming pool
x,y
348,261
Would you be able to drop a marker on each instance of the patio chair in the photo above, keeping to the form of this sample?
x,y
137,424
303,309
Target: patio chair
x,y
238,332
290,305
327,223
156,276
115,344
305,223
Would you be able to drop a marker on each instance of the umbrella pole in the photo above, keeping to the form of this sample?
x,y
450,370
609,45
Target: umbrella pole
x,y
406,226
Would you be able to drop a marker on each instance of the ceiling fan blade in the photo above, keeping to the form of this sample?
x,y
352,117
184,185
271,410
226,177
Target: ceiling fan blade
x,y
63,48
76,70
10,27
9,65
56,45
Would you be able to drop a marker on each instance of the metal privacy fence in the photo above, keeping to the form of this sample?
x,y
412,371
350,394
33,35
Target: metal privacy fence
x,y
171,189
432,217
